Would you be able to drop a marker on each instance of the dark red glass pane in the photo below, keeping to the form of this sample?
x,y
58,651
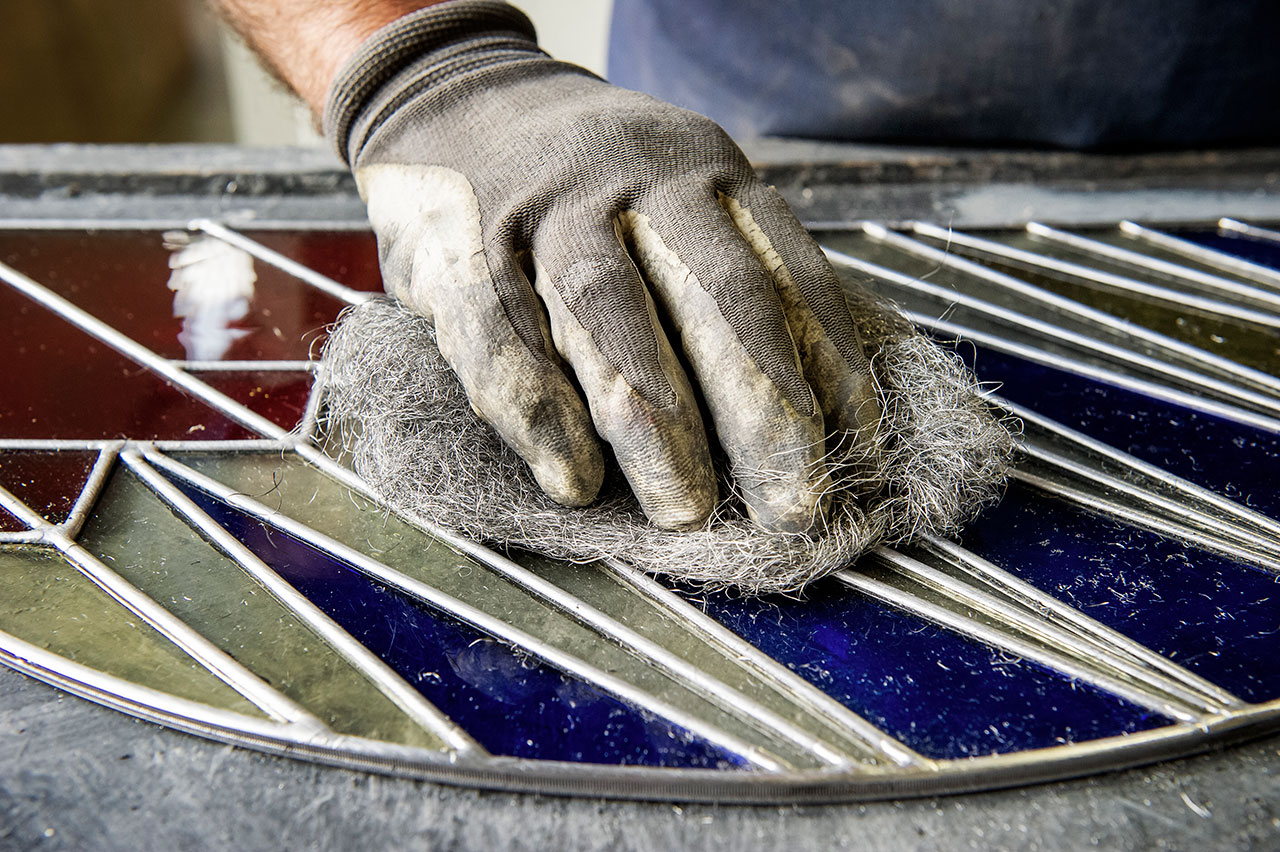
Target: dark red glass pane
x,y
348,257
8,523
47,482
122,278
279,396
58,382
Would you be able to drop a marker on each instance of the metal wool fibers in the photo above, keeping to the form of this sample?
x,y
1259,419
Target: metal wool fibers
x,y
396,411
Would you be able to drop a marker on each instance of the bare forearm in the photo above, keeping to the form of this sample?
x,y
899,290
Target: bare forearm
x,y
306,41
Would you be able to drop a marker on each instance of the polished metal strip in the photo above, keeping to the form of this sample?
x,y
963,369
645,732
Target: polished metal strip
x,y
805,694
983,633
1245,376
133,697
690,676
1178,375
1172,509
307,428
1069,618
1067,643
1071,365
138,353
1099,278
92,488
23,537
408,699
476,617
1149,520
1227,287
309,276
1210,257
1265,234
1243,514
39,444
248,445
245,366
160,619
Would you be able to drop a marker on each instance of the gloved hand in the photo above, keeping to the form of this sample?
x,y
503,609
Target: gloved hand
x,y
562,234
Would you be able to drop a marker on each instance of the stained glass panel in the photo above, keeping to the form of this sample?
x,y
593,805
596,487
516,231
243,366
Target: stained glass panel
x,y
893,668
349,257
509,703
49,603
1216,618
138,536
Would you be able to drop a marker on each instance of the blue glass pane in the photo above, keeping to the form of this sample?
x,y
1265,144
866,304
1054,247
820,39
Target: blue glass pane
x,y
941,694
1241,246
511,704
1237,461
1213,617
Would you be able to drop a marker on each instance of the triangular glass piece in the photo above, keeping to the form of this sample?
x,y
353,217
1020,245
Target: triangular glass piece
x,y
47,482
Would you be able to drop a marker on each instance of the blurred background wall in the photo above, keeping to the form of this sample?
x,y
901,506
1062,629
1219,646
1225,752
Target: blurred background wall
x,y
167,71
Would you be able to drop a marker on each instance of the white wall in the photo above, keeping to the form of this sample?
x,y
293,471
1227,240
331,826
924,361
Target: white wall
x,y
264,114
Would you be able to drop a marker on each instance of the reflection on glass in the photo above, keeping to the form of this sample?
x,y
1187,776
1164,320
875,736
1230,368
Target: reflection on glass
x,y
121,277
47,602
138,536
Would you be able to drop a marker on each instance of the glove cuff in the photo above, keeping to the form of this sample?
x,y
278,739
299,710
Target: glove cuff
x,y
423,38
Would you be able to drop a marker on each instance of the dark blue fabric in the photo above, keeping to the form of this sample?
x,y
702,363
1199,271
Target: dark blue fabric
x,y
1073,73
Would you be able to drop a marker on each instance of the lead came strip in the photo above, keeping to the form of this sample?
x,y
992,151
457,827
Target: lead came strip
x,y
1224,287
1244,376
1097,277
1208,256
408,699
467,613
1177,376
309,276
176,631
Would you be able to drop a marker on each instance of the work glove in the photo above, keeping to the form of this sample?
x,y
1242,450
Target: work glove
x,y
597,262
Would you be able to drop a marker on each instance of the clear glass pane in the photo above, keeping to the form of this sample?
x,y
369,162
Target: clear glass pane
x,y
46,601
212,594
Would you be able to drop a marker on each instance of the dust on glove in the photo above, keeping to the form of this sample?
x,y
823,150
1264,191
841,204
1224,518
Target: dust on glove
x,y
598,264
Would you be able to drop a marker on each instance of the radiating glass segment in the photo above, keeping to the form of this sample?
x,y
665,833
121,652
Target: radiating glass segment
x,y
58,382
1238,461
137,535
1209,615
300,491
8,523
48,483
1263,252
600,588
1247,343
278,395
508,702
47,602
349,257
122,278
941,694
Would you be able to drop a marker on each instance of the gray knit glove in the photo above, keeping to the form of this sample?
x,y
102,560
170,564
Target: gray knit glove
x,y
562,233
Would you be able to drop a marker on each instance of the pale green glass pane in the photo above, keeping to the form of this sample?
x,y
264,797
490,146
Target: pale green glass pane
x,y
143,541
295,489
49,603
604,591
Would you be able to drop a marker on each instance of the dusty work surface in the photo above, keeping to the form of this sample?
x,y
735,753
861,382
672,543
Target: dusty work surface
x,y
76,776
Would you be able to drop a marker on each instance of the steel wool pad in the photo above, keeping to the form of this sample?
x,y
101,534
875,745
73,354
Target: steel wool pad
x,y
396,411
